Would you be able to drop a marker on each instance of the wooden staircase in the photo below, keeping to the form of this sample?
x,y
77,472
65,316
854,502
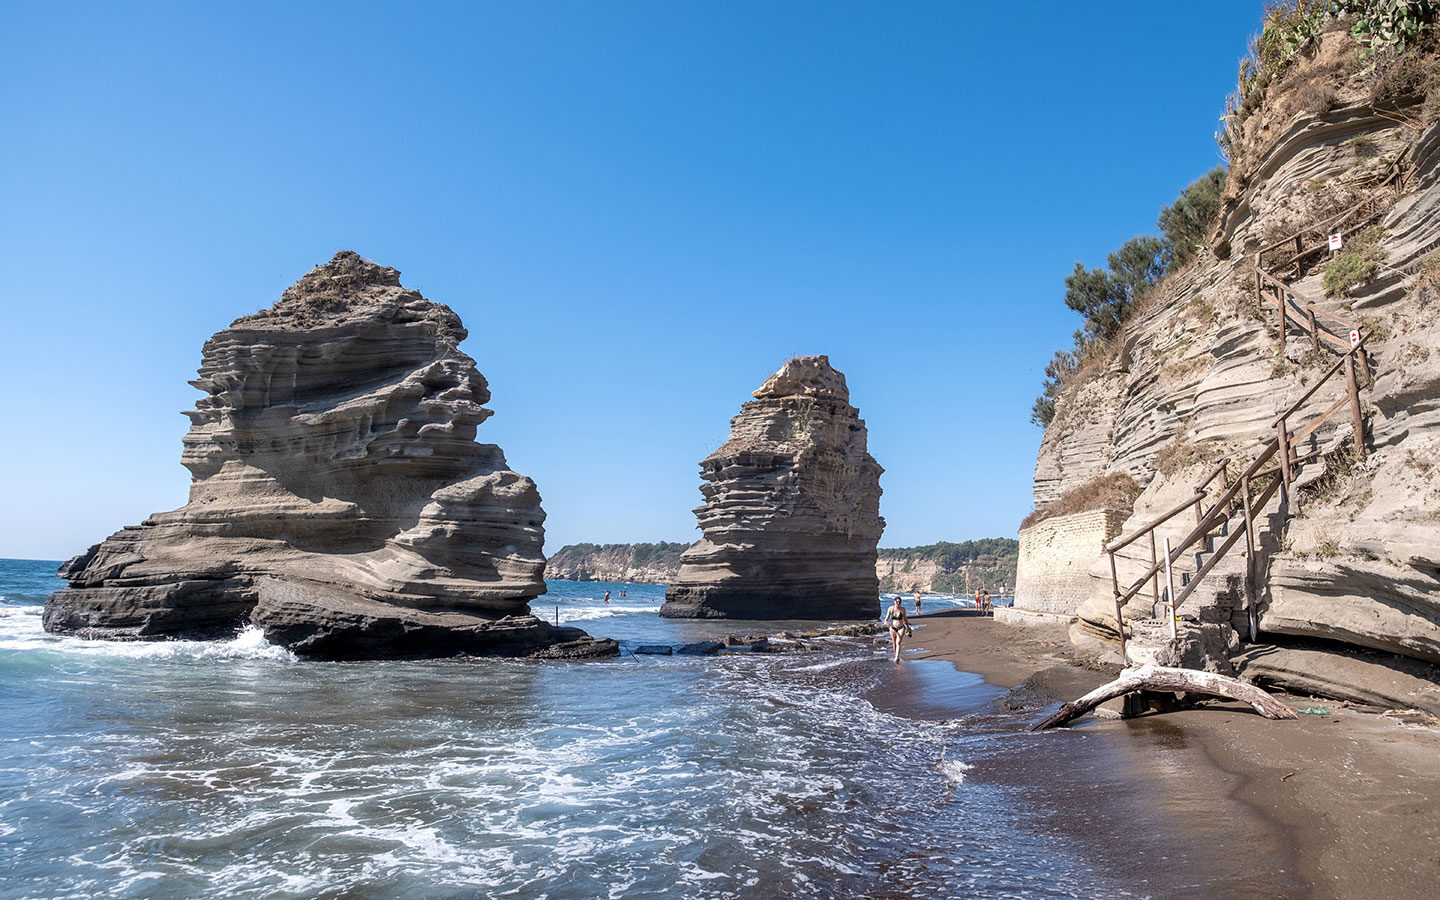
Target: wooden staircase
x,y
1261,496
1257,504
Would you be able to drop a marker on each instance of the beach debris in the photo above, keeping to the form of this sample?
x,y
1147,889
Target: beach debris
x,y
1286,775
1313,711
1166,679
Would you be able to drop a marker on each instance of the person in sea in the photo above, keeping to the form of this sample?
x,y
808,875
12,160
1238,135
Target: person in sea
x,y
607,598
899,625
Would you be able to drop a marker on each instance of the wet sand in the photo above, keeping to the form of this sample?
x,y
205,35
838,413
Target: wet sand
x,y
1203,802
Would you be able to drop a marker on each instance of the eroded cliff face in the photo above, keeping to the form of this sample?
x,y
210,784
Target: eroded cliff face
x,y
792,509
1200,376
339,497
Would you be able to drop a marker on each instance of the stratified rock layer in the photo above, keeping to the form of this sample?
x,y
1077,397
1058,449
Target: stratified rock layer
x,y
339,500
792,509
1353,572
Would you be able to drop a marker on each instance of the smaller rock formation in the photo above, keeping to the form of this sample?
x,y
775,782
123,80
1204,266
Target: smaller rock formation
x,y
339,499
791,517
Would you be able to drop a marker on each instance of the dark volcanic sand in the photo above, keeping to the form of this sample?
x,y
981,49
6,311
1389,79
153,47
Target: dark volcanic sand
x,y
1192,803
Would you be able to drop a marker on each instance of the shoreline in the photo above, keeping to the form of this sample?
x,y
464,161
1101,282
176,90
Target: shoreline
x,y
1330,806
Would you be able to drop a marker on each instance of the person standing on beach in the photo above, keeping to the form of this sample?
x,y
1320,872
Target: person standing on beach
x,y
985,598
899,625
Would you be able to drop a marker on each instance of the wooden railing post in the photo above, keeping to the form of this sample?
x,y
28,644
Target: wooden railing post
x,y
1259,287
1284,451
1314,329
1280,307
1119,617
1169,591
1155,579
1199,497
1251,570
1356,419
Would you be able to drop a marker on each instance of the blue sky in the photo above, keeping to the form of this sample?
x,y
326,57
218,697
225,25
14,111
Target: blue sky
x,y
640,210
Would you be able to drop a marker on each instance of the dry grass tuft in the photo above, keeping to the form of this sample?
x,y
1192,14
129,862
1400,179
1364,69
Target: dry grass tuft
x,y
1115,491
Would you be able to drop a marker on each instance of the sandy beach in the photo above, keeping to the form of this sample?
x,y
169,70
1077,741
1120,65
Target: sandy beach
x,y
1216,800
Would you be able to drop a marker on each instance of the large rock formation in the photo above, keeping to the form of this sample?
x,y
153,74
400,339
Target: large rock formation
x,y
339,497
792,509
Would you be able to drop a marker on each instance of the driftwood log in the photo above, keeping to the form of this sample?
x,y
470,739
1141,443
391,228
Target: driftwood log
x,y
1163,678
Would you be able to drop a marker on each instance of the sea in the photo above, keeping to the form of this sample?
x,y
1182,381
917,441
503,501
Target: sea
x,y
231,769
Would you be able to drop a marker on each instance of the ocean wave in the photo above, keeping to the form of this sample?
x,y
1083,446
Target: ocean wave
x,y
583,614
20,598
21,629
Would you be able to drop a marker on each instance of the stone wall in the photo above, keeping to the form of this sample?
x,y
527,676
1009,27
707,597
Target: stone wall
x,y
1055,556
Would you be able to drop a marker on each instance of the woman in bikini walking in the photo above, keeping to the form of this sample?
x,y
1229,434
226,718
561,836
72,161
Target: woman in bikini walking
x,y
899,625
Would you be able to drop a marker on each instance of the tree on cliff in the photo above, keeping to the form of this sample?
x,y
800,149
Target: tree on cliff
x,y
1187,222
1104,297
1062,365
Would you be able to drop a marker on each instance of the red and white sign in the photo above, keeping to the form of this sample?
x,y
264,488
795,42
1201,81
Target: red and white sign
x,y
1354,338
1335,241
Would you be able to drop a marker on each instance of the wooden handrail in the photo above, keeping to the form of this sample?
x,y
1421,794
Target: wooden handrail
x,y
1199,490
1220,551
1208,518
1323,378
1391,174
1201,529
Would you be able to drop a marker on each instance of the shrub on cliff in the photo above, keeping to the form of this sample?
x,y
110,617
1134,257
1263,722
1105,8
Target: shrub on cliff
x,y
1356,263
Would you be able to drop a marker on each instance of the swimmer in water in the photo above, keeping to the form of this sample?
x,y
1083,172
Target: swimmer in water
x,y
607,598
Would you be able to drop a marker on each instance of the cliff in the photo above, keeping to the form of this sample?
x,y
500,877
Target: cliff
x,y
638,563
792,509
935,568
1347,567
948,568
338,497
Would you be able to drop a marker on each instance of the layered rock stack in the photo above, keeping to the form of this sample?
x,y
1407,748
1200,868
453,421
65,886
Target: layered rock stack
x,y
791,517
339,499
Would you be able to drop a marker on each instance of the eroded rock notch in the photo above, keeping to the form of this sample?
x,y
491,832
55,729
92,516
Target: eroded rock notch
x,y
339,499
791,517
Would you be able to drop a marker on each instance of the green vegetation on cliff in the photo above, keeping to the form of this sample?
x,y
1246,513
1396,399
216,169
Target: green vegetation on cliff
x,y
989,561
1105,298
587,561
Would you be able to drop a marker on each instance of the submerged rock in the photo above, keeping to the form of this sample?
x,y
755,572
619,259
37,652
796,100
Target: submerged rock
x,y
791,517
339,499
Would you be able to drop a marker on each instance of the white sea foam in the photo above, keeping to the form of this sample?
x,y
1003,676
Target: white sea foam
x,y
954,770
586,613
21,629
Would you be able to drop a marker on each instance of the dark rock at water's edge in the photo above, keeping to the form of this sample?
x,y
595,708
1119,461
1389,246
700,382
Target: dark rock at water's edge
x,y
791,517
700,648
339,499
